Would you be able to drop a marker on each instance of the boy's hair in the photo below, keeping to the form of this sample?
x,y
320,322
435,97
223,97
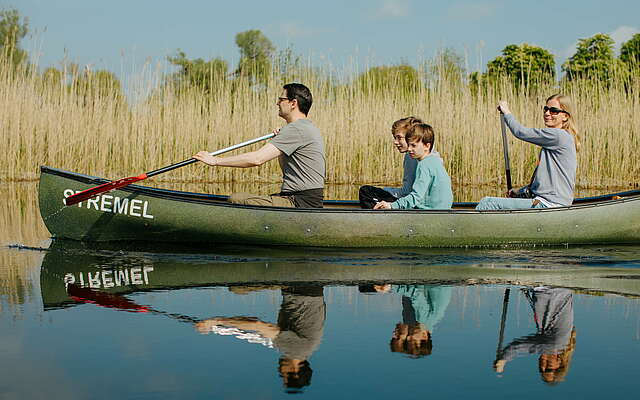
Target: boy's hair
x,y
298,91
404,124
421,133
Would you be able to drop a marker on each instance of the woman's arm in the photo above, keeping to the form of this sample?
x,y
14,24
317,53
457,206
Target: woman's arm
x,y
541,137
547,137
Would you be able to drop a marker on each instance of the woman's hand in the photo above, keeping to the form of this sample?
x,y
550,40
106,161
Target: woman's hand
x,y
503,107
499,366
206,158
382,205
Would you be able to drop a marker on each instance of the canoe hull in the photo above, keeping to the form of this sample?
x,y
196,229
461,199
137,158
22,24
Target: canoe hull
x,y
137,213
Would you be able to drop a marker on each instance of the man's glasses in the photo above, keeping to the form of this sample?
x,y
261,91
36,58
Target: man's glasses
x,y
282,99
554,110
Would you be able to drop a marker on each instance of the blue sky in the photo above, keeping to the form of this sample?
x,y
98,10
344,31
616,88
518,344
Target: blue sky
x,y
121,35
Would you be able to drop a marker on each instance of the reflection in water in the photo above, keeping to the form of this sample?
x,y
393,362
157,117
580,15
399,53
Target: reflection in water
x,y
555,336
423,306
279,299
297,334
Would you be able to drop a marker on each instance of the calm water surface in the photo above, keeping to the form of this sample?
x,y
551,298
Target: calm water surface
x,y
134,321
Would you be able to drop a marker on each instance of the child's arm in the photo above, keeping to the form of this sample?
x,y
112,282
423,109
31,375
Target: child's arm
x,y
419,190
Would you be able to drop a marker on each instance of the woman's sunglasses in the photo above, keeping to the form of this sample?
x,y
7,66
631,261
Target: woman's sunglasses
x,y
554,110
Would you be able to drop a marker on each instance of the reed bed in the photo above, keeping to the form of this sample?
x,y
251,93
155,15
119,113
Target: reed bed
x,y
21,224
94,131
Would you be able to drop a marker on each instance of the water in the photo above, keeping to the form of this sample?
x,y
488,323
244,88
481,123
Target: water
x,y
134,321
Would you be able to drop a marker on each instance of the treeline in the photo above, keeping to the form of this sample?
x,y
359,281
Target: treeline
x,y
523,65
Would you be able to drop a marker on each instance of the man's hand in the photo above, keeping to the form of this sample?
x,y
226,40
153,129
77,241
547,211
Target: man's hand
x,y
205,326
206,158
382,205
503,107
276,131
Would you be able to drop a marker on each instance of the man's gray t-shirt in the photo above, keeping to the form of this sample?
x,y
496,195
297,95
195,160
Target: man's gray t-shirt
x,y
302,160
301,322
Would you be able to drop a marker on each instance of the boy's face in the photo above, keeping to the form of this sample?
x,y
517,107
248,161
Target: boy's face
x,y
418,150
400,142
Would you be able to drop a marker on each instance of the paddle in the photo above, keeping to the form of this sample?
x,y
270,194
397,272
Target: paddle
x,y
111,300
505,147
505,304
113,185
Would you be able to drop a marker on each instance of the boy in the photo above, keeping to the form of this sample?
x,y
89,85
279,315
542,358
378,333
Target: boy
x,y
370,195
431,189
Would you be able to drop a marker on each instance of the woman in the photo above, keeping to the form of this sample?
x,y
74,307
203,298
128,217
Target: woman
x,y
555,176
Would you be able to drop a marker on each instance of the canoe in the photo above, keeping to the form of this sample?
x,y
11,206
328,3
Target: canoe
x,y
123,269
138,213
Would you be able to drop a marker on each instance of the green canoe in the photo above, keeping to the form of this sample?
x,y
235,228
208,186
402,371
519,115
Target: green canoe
x,y
138,213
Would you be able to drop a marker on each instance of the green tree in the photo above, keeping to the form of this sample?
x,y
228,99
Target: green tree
x,y
206,75
524,64
287,65
101,84
446,66
397,78
53,76
594,58
12,30
256,51
630,51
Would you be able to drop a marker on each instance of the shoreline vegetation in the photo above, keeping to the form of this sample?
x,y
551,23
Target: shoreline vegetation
x,y
79,119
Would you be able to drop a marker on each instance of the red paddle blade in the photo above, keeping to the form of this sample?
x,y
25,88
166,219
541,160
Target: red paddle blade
x,y
102,299
105,187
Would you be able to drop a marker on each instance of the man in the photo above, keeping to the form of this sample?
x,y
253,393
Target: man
x,y
297,334
300,150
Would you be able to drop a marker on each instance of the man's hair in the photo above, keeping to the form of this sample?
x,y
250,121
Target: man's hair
x,y
421,133
404,125
301,93
297,380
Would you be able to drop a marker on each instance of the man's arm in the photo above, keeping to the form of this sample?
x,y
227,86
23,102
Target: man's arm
x,y
252,159
265,329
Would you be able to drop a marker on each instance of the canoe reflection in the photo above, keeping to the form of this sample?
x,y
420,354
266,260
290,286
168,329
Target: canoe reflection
x,y
555,337
296,335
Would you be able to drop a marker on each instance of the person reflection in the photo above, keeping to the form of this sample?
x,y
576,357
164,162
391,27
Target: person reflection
x,y
423,306
555,337
296,335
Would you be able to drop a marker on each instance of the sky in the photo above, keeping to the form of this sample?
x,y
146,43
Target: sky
x,y
125,35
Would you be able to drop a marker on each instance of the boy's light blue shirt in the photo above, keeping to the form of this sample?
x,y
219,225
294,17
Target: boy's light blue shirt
x,y
429,302
431,188
409,166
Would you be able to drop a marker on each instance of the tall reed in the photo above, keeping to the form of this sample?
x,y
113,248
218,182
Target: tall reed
x,y
44,122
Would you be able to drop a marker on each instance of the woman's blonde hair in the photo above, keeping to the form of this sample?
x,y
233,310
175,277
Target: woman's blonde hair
x,y
565,356
570,124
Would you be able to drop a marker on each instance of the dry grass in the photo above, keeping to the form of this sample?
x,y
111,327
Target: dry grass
x,y
44,123
21,224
